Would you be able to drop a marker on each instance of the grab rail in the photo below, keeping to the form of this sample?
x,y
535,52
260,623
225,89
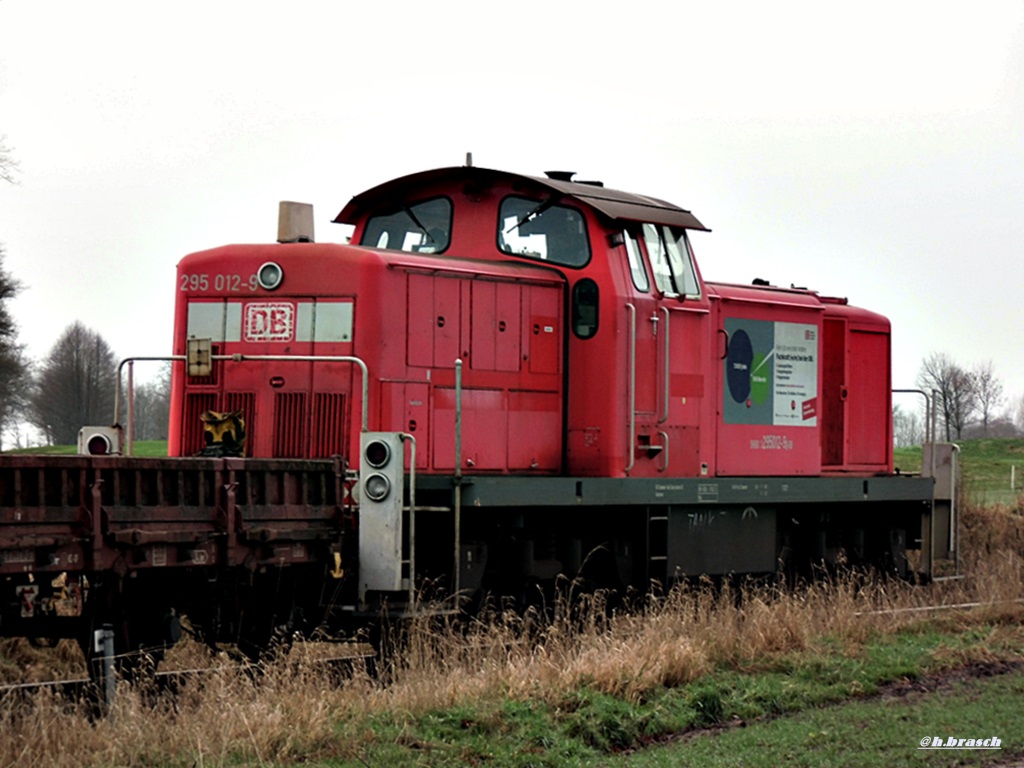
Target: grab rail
x,y
237,358
632,386
666,379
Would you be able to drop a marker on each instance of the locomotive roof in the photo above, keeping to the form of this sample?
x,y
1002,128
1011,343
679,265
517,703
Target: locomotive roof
x,y
613,203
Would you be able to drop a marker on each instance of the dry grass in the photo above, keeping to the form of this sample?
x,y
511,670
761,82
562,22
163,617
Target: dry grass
x,y
21,662
297,709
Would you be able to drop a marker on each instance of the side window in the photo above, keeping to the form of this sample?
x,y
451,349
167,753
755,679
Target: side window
x,y
423,227
584,308
539,229
636,262
671,260
659,259
681,258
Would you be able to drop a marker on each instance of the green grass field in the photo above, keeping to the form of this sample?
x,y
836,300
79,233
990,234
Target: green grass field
x,y
144,448
985,468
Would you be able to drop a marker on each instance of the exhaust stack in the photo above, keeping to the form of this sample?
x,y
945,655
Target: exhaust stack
x,y
294,222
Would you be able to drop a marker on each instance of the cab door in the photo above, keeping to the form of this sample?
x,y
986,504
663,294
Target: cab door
x,y
681,350
645,322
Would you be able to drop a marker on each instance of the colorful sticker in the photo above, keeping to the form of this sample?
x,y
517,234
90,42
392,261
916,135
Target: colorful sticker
x,y
771,373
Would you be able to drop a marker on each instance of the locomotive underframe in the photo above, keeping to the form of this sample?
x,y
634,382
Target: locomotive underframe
x,y
519,534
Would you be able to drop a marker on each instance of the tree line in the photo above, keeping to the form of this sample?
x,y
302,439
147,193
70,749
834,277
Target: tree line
x,y
74,384
968,401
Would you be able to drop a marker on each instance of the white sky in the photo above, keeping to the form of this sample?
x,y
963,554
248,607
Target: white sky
x,y
871,150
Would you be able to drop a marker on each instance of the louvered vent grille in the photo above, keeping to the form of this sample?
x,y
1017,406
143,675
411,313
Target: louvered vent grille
x,y
246,403
328,425
289,425
192,429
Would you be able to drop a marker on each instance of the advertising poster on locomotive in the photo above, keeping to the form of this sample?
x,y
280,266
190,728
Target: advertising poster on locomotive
x,y
771,373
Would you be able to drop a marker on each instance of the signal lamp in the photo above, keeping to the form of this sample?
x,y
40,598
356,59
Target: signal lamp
x,y
381,501
377,453
377,487
99,445
99,441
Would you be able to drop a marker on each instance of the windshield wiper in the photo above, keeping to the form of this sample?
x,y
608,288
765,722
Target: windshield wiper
x,y
541,207
418,223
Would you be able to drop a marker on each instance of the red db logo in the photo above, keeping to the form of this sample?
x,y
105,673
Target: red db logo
x,y
269,321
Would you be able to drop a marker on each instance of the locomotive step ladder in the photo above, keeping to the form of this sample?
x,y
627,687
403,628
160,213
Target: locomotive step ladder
x,y
657,545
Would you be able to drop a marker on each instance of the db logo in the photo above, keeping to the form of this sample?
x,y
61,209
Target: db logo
x,y
269,321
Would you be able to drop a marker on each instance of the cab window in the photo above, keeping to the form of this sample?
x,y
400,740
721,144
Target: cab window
x,y
636,262
539,229
671,260
423,227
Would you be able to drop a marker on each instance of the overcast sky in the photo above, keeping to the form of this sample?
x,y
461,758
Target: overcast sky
x,y
874,152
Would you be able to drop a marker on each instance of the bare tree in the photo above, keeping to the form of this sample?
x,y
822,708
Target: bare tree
x,y
906,428
15,389
988,393
74,385
954,388
14,384
13,365
152,407
8,165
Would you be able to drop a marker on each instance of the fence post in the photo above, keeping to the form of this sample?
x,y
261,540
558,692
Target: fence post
x,y
103,646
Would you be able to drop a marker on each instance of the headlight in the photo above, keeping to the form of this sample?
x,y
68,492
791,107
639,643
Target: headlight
x,y
270,275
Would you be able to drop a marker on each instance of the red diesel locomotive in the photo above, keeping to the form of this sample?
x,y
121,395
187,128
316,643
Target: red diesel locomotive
x,y
501,379
567,375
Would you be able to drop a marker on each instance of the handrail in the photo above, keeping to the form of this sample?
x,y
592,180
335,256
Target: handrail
x,y
632,386
666,381
457,523
954,513
130,361
237,358
929,431
406,437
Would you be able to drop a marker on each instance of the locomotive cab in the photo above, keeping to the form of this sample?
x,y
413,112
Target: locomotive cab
x,y
636,401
